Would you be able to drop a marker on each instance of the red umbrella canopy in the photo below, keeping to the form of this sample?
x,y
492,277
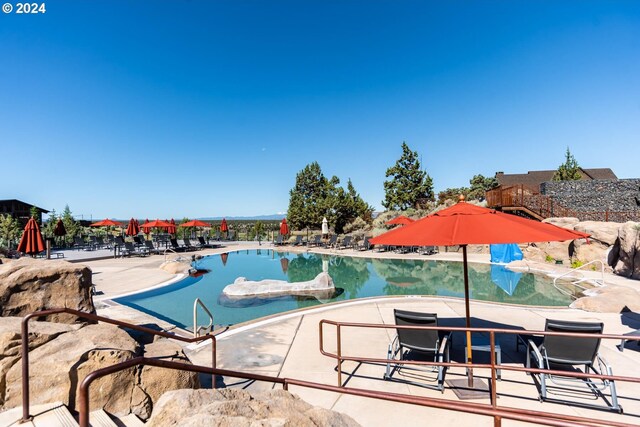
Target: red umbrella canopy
x,y
146,230
106,223
466,224
284,227
132,229
154,224
195,223
31,241
172,227
400,220
59,230
223,225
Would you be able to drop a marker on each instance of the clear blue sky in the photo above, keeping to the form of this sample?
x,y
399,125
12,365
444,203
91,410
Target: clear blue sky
x,y
210,108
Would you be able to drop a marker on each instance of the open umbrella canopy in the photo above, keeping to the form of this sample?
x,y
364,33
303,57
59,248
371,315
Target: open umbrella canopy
x,y
132,229
223,225
284,227
400,220
106,223
465,224
59,230
31,241
155,223
195,223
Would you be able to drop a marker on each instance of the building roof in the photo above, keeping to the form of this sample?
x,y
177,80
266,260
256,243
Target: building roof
x,y
535,178
11,201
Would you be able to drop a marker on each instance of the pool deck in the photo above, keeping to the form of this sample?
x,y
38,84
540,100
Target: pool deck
x,y
288,345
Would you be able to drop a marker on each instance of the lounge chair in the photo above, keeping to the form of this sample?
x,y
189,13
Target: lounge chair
x,y
231,235
416,344
346,243
151,248
332,242
278,241
364,245
204,244
80,244
189,246
563,353
429,250
175,246
317,240
298,241
130,249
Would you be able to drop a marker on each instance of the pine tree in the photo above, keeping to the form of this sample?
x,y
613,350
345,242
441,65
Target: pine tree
x,y
569,170
408,184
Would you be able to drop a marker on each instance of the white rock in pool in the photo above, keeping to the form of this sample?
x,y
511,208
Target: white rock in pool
x,y
242,287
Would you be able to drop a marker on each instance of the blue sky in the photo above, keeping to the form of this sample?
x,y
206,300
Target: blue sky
x,y
210,108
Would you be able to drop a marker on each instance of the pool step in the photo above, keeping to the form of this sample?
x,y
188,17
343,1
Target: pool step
x,y
56,414
100,418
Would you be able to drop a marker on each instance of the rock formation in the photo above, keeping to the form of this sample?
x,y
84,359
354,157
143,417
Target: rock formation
x,y
626,251
321,286
231,407
28,285
63,355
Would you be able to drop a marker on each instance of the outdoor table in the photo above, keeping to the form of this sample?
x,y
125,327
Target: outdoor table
x,y
482,343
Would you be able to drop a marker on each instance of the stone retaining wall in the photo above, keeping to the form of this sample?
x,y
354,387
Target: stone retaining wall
x,y
620,197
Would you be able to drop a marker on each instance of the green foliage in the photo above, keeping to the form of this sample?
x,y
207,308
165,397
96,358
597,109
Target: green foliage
x,y
71,225
48,227
576,263
257,231
569,170
10,231
549,258
408,185
479,186
358,225
315,197
452,194
34,212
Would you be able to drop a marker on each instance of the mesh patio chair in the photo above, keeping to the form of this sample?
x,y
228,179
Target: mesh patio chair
x,y
416,344
564,353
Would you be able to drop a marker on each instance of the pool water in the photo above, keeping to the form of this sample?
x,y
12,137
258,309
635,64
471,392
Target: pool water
x,y
353,278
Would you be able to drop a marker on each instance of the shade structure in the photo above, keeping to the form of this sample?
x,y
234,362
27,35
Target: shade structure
x,y
400,220
146,230
59,229
172,227
223,226
155,223
132,228
466,224
106,223
284,227
31,242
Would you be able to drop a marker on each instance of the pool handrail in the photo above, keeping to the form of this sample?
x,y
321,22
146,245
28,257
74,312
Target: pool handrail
x,y
196,328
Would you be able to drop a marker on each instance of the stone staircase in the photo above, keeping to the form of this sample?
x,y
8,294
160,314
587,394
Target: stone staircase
x,y
57,415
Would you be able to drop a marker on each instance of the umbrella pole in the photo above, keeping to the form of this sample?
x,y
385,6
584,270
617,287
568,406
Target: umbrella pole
x,y
467,313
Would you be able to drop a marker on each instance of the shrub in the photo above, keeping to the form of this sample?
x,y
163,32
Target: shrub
x,y
549,258
576,263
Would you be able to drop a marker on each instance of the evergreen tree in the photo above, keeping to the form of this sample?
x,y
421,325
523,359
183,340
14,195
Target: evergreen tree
x,y
408,185
10,231
308,198
50,225
569,170
70,224
479,186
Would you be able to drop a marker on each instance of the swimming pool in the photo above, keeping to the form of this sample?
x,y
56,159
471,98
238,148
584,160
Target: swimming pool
x,y
353,278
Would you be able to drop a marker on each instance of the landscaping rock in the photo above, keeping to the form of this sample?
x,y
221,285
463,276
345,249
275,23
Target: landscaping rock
x,y
604,232
609,299
230,407
180,266
28,285
564,222
626,255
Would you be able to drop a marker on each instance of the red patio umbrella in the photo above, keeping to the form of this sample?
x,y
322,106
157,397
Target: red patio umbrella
x,y
59,230
106,223
284,227
172,227
223,226
465,224
31,242
400,220
146,230
155,223
132,229
195,223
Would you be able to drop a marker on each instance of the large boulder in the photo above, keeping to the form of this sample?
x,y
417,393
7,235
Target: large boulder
x,y
604,232
11,339
28,285
609,299
232,407
626,251
564,222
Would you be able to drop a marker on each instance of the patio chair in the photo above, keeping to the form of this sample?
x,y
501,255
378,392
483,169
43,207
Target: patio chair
x,y
79,243
231,235
364,245
151,248
317,240
204,244
416,344
346,243
298,241
278,241
175,246
332,242
563,353
131,249
189,246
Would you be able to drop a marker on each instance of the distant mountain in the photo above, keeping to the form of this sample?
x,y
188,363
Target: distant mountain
x,y
271,217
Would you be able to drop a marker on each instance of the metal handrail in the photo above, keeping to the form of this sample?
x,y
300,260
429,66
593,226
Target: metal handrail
x,y
94,317
536,417
583,278
492,365
168,250
196,328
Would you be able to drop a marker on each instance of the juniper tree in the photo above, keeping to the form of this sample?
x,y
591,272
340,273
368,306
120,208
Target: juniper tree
x,y
408,183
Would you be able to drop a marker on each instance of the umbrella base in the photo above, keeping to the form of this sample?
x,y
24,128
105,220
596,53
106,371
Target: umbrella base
x,y
480,389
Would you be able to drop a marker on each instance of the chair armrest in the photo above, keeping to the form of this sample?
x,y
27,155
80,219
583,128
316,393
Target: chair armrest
x,y
603,364
533,348
444,346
